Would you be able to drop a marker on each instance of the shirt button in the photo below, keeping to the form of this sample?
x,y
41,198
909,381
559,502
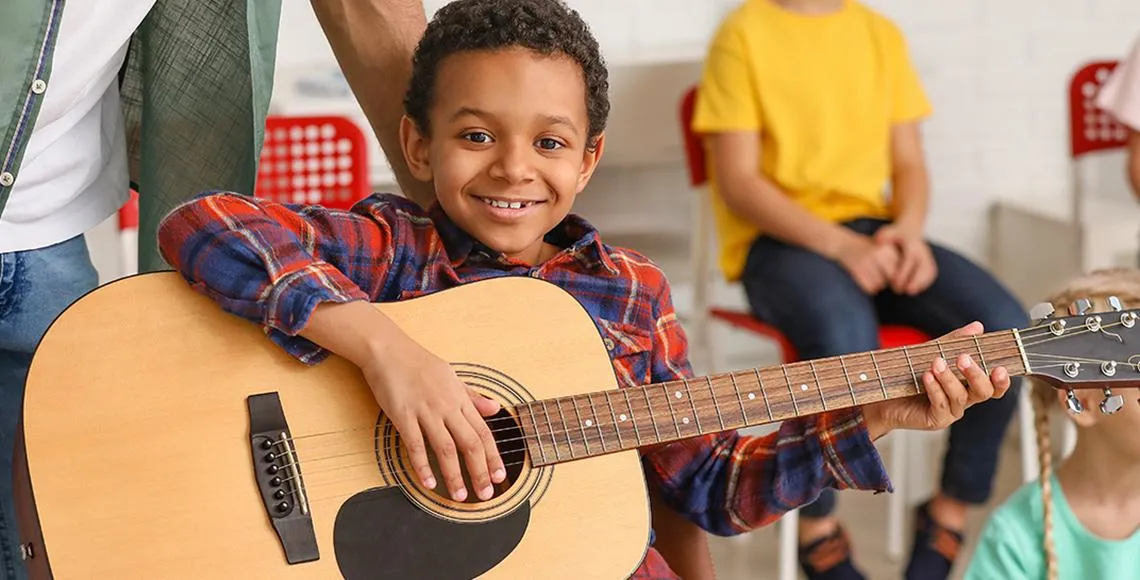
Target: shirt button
x,y
39,86
7,179
609,344
535,274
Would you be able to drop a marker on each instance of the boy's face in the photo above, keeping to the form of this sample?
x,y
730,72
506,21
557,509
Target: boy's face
x,y
507,146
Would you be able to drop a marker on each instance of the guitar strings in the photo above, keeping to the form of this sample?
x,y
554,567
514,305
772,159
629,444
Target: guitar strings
x,y
797,367
779,399
552,434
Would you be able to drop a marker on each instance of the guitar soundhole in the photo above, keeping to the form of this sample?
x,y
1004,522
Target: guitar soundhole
x,y
512,449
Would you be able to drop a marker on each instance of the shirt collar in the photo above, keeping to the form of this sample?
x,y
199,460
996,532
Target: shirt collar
x,y
578,239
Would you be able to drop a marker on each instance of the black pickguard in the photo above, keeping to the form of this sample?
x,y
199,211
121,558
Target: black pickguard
x,y
381,535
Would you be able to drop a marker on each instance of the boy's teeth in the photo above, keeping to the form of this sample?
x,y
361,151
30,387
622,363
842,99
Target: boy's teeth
x,y
507,204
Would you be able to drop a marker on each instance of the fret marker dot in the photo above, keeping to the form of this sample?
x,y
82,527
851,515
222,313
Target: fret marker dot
x,y
803,387
862,376
622,417
685,420
751,396
677,394
589,423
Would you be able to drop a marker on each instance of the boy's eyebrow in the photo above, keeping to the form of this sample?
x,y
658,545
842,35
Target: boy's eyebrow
x,y
552,119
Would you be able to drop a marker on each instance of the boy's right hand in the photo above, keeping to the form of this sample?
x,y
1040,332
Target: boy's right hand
x,y
423,397
871,265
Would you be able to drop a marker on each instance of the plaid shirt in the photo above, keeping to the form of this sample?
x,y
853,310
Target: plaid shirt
x,y
273,263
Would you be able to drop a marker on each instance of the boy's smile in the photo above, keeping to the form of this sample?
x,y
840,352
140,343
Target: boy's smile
x,y
506,146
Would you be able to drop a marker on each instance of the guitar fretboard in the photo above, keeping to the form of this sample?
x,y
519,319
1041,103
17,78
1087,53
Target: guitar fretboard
x,y
597,423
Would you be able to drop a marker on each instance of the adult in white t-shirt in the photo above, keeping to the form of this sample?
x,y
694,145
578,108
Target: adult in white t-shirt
x,y
1120,97
63,143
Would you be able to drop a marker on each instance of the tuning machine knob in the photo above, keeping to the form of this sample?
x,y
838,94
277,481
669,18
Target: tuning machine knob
x,y
1074,404
1041,312
1081,306
1111,403
1114,304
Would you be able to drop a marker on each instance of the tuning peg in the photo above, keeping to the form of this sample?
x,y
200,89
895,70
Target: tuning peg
x,y
1114,304
1075,406
1111,403
1081,306
1040,312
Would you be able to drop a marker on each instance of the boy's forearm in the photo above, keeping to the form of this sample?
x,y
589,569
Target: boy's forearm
x,y
356,331
910,198
373,41
758,201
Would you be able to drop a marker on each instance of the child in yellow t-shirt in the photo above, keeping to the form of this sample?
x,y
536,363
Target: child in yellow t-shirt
x,y
810,110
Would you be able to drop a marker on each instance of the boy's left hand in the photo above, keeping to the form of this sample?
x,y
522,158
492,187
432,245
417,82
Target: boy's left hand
x,y
917,269
946,397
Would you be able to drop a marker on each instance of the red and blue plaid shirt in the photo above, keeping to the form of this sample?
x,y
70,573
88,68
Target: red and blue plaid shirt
x,y
272,264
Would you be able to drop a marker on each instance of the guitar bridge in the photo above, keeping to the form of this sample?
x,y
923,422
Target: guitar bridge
x,y
277,468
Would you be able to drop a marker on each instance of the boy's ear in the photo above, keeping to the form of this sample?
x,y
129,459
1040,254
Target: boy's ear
x,y
415,146
1087,418
590,160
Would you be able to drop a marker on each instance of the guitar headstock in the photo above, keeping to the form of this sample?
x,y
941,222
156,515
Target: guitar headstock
x,y
1085,349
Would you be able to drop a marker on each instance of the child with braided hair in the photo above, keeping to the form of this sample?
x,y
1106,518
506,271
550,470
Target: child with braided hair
x,y
1081,521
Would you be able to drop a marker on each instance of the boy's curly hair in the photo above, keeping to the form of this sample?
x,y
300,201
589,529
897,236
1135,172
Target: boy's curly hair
x,y
1097,286
548,27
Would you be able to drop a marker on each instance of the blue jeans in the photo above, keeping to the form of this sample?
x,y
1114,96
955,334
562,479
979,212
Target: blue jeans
x,y
818,306
35,286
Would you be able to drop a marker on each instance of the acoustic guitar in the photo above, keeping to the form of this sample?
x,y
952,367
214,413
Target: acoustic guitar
x,y
163,438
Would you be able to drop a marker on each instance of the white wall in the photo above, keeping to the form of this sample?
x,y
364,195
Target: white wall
x,y
996,72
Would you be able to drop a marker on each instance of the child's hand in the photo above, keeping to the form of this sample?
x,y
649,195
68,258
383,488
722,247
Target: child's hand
x,y
946,397
421,395
871,265
917,269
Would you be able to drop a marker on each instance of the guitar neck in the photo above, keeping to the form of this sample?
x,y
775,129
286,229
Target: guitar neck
x,y
598,423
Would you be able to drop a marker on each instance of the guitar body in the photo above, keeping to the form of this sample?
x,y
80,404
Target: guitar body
x,y
154,424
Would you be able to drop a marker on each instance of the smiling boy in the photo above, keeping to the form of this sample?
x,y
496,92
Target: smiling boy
x,y
505,115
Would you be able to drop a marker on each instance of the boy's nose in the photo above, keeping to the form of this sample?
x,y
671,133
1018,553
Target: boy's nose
x,y
513,164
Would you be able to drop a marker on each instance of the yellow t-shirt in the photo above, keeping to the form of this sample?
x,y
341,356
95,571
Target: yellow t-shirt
x,y
823,91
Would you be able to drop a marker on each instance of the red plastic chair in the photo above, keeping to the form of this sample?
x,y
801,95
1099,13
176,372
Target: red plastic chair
x,y
890,336
1090,128
319,160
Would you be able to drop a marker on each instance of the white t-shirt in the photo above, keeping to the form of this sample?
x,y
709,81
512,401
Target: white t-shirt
x,y
1120,94
74,171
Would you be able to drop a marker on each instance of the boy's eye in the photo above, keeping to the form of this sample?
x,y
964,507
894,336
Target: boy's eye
x,y
477,137
548,143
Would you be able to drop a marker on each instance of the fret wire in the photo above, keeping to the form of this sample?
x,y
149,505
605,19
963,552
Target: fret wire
x,y
850,387
764,394
597,423
791,393
565,426
736,388
692,403
653,419
550,425
941,353
629,403
879,373
541,448
818,386
613,415
978,345
913,376
581,423
716,405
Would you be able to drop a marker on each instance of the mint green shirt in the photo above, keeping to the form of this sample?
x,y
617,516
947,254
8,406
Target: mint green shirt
x,y
1011,544
195,94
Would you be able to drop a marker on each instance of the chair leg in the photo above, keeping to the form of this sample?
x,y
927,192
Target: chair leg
x,y
897,501
789,545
